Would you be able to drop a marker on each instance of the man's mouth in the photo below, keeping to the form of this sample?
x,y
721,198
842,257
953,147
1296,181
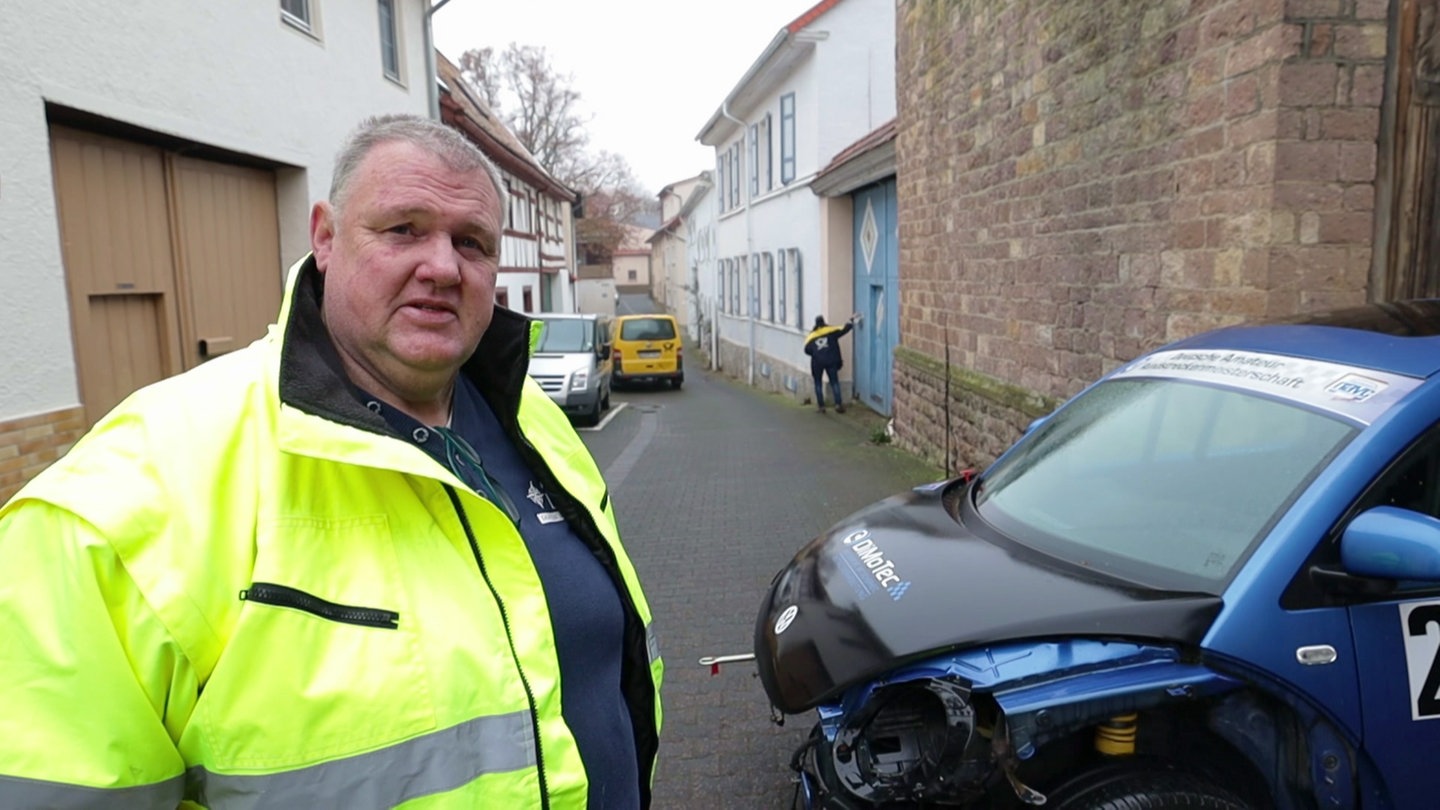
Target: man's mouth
x,y
432,307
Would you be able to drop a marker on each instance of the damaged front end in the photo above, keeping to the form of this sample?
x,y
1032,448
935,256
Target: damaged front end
x,y
964,729
941,657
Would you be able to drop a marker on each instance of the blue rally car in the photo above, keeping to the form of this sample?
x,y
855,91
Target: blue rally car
x,y
1209,580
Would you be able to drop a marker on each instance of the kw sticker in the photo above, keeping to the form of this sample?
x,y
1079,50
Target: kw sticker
x,y
1355,388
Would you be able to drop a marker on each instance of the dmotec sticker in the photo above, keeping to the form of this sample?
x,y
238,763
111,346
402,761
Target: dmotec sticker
x,y
870,569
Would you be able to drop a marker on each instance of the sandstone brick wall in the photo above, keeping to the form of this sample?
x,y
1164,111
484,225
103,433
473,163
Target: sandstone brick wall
x,y
984,415
1082,181
30,443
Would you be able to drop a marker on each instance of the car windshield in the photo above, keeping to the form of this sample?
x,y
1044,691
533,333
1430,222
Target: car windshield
x,y
566,335
647,329
1164,482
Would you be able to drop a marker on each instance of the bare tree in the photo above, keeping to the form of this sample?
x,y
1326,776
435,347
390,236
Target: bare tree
x,y
542,109
610,214
477,67
538,104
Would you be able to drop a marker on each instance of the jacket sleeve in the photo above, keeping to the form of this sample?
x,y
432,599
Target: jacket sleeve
x,y
96,690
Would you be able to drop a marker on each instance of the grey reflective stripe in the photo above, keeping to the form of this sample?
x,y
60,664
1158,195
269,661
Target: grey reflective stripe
x,y
22,794
652,643
382,779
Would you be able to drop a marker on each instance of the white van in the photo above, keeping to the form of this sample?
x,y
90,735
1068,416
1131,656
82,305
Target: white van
x,y
572,363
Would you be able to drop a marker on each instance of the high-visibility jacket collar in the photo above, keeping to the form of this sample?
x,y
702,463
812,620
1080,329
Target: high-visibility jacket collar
x,y
312,380
820,332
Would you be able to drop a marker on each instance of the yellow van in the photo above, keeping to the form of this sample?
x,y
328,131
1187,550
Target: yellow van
x,y
647,347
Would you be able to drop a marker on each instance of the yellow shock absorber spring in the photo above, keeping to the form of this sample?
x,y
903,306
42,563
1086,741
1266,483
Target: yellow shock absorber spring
x,y
1116,737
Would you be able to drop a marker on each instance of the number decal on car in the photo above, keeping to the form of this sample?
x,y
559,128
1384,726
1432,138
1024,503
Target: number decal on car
x,y
1421,623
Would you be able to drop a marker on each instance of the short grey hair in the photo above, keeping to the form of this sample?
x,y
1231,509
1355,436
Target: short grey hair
x,y
453,149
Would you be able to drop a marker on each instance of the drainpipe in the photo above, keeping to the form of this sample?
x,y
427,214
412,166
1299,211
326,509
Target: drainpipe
x,y
749,243
431,68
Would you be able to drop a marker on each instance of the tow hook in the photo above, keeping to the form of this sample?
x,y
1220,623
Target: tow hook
x,y
714,661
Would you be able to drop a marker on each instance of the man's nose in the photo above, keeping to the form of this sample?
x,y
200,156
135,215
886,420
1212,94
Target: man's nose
x,y
439,261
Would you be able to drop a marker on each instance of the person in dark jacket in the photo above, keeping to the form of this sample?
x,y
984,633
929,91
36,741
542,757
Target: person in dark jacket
x,y
823,346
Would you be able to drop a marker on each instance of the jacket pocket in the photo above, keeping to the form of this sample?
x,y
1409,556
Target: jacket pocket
x,y
267,593
323,659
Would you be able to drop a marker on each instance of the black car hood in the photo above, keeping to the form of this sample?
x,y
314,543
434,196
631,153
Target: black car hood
x,y
903,579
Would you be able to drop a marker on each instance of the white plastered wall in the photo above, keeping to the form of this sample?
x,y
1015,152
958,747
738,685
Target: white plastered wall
x,y
222,74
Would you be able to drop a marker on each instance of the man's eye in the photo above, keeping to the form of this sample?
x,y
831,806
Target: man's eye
x,y
406,229
472,245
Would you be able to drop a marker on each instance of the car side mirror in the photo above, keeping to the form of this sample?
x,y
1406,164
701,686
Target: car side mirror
x,y
1394,543
605,352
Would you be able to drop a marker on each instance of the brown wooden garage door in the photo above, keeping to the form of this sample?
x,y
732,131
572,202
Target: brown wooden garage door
x,y
169,260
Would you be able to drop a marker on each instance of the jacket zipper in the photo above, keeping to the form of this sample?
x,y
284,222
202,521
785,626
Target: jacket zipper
x,y
510,639
267,593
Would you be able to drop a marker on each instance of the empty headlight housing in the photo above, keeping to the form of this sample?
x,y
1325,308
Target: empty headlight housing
x,y
915,741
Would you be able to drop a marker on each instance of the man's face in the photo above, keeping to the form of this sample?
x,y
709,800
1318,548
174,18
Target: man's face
x,y
410,264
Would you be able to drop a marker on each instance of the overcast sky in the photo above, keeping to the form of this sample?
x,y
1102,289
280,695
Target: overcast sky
x,y
650,73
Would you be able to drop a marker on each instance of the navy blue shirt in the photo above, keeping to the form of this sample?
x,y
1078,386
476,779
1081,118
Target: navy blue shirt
x,y
585,608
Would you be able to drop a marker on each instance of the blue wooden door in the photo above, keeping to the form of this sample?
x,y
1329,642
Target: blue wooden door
x,y
877,285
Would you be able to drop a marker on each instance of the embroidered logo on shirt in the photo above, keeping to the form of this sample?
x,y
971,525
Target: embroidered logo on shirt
x,y
542,501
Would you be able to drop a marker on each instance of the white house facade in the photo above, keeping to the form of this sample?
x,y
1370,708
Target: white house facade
x,y
702,291
782,256
672,282
157,165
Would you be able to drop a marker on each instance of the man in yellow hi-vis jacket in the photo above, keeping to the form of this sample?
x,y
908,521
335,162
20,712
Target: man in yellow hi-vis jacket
x,y
363,563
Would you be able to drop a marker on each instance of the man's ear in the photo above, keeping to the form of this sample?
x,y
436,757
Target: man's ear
x,y
322,233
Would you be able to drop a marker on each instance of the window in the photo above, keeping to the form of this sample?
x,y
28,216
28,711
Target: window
x,y
297,13
735,287
720,175
780,296
1410,483
720,283
502,297
754,161
756,291
630,275
389,40
527,294
767,155
735,175
661,328
768,291
787,138
1182,479
521,210
792,278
